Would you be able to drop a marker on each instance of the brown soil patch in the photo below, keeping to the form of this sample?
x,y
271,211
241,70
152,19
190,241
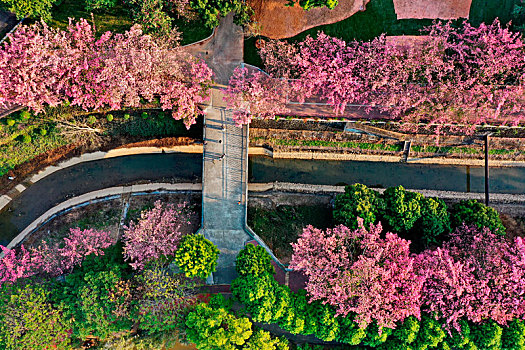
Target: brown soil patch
x,y
43,160
432,9
280,21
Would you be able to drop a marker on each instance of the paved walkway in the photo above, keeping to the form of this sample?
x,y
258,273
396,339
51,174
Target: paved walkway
x,y
225,158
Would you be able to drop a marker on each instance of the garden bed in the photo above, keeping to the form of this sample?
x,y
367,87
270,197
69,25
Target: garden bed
x,y
106,216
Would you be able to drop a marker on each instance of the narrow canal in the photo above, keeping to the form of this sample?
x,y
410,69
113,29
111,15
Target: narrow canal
x,y
378,174
176,167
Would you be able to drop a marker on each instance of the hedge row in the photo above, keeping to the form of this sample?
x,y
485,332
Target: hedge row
x,y
267,301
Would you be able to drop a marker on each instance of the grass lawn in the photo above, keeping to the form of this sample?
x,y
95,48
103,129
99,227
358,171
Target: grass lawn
x,y
282,226
379,17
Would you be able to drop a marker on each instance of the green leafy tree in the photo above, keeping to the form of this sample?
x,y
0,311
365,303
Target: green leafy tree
x,y
30,8
258,294
196,256
472,212
434,222
212,10
216,329
401,208
93,295
29,321
100,4
357,201
162,299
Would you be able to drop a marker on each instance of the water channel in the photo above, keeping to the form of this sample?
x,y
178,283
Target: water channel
x,y
176,167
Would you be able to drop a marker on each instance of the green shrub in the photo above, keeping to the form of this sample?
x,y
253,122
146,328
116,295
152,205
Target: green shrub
x,y
472,212
216,329
376,336
43,132
10,121
430,333
513,337
196,256
25,115
145,115
401,208
357,201
100,4
127,116
254,261
349,332
26,138
109,117
407,331
459,340
487,335
434,222
258,294
161,115
91,120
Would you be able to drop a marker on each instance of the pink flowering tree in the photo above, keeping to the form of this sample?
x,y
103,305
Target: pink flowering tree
x,y
55,260
357,271
464,77
252,92
42,66
15,265
477,275
61,257
155,235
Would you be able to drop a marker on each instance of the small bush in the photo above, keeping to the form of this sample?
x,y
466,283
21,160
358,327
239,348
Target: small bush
x,y
472,212
25,115
254,260
434,222
26,138
196,256
145,115
10,122
43,132
401,208
127,116
357,201
109,117
91,120
161,115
